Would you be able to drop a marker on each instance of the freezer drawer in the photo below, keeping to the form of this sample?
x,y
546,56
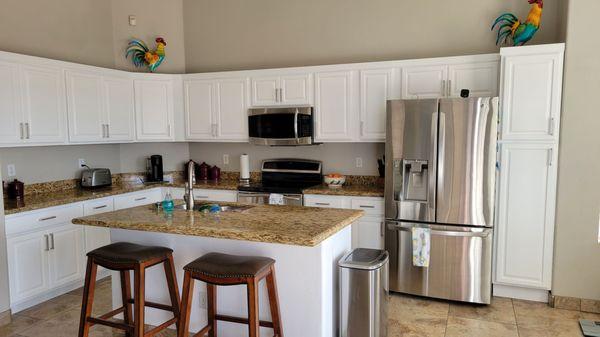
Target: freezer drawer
x,y
460,265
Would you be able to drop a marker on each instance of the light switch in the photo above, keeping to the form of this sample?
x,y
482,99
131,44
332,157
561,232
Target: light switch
x,y
359,162
11,170
225,159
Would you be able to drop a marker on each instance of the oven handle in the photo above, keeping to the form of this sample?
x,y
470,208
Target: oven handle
x,y
485,232
252,195
290,197
296,123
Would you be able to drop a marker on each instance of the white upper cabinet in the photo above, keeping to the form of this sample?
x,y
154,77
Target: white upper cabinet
x,y
481,79
199,109
44,107
525,228
376,87
216,110
154,109
119,108
335,106
424,81
84,104
531,92
11,115
282,90
232,109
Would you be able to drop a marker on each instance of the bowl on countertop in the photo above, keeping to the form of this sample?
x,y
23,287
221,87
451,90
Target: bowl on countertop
x,y
334,181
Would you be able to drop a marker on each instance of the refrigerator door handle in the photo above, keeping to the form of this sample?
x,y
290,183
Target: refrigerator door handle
x,y
482,233
441,173
432,169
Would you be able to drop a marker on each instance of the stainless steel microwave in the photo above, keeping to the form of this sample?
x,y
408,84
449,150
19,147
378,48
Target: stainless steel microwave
x,y
282,126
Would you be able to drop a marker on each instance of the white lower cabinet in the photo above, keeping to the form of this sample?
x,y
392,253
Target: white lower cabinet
x,y
66,255
135,199
367,232
27,266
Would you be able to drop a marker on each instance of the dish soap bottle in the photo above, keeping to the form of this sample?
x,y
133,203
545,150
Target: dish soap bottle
x,y
168,205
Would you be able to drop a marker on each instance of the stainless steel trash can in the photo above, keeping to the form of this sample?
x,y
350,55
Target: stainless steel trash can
x,y
364,293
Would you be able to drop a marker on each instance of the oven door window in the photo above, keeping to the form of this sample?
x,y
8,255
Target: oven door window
x,y
272,126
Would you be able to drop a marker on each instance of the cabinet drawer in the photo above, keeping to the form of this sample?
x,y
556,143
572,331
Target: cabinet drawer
x,y
47,217
371,206
215,195
137,199
98,206
324,201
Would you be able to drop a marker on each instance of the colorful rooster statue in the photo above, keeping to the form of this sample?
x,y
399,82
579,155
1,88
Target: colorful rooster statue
x,y
142,56
510,26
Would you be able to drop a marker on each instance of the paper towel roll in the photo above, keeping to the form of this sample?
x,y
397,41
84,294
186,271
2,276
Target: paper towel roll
x,y
244,167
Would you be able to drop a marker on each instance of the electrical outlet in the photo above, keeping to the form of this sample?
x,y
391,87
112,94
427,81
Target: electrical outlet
x,y
225,159
11,170
203,300
359,162
132,20
81,163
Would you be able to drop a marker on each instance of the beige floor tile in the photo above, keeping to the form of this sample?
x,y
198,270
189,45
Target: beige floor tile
x,y
463,327
18,324
64,324
401,305
500,310
589,315
411,326
562,328
52,307
540,314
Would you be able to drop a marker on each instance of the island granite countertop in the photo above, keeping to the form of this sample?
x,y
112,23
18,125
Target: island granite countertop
x,y
293,225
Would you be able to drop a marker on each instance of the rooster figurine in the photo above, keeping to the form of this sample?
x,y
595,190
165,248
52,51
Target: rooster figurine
x,y
519,32
142,56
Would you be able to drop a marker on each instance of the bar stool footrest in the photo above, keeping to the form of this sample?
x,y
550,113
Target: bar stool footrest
x,y
161,327
122,326
155,305
240,320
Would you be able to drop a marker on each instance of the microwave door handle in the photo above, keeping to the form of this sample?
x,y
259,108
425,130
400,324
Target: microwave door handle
x,y
296,123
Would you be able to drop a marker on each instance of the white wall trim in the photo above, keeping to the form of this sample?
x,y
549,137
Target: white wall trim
x,y
537,295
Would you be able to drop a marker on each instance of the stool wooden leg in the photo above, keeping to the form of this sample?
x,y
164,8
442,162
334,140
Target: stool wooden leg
x,y
186,305
274,303
211,294
173,287
139,299
88,297
126,296
253,321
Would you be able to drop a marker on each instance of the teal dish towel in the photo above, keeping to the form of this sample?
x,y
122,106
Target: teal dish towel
x,y
421,244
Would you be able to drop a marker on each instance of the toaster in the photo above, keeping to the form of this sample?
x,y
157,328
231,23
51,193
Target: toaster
x,y
98,177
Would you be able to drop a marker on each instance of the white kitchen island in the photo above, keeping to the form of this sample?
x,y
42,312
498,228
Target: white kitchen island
x,y
305,242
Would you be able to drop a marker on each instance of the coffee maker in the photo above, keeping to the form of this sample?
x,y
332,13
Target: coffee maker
x,y
154,169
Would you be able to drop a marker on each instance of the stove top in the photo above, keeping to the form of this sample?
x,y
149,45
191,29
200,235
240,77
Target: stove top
x,y
281,188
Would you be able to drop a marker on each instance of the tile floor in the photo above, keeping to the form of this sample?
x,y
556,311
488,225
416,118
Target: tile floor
x,y
408,317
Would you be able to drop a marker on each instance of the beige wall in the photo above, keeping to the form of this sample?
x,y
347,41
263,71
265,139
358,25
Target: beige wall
x,y
154,18
339,158
242,34
577,253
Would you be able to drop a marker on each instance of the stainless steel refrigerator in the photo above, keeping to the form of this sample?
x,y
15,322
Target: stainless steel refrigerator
x,y
440,179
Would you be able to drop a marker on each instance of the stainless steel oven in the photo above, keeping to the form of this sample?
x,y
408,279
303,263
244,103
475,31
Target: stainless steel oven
x,y
283,126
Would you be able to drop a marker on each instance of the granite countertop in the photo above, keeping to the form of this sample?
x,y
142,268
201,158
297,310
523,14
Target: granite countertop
x,y
356,190
293,225
62,197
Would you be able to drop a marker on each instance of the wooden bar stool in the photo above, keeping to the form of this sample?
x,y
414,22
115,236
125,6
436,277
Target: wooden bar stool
x,y
225,270
126,257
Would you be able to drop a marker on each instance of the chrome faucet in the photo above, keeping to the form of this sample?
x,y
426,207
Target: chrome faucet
x,y
189,186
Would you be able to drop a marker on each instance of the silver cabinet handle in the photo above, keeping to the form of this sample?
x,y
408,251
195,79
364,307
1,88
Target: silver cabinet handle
x,y
287,197
322,203
52,241
46,237
280,94
382,229
551,130
28,132
366,206
362,128
107,131
550,155
201,196
443,88
449,88
140,199
21,130
101,207
103,130
48,218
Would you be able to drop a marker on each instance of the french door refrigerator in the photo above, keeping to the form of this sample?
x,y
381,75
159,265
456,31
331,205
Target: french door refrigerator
x,y
439,196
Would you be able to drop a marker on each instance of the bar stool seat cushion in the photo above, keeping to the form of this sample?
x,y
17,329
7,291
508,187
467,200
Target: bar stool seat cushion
x,y
127,253
219,265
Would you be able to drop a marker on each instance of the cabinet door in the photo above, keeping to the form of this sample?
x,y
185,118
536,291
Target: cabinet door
x,y
84,105
334,106
216,195
375,90
264,91
296,89
232,110
120,109
10,104
367,233
199,109
66,255
424,81
154,110
44,105
525,222
28,265
481,79
137,199
531,91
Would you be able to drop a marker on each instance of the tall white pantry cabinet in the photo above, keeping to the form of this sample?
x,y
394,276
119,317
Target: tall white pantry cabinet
x,y
530,91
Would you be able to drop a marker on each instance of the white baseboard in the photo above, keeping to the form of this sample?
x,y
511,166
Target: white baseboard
x,y
50,294
529,294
